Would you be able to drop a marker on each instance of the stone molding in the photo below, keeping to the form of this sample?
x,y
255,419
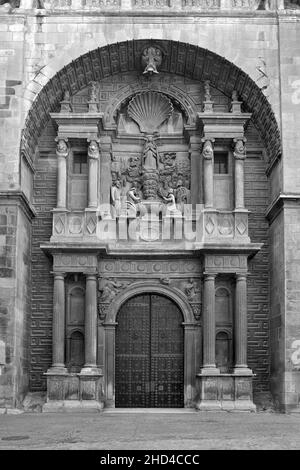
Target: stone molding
x,y
188,60
19,198
282,201
150,287
225,264
69,262
160,267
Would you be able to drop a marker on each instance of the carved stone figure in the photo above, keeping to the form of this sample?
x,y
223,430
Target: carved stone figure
x,y
191,290
115,199
133,171
133,201
93,98
207,95
234,96
93,150
171,204
168,159
115,168
62,149
182,195
110,289
150,154
152,59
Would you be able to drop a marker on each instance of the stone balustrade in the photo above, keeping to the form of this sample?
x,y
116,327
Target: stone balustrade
x,y
210,225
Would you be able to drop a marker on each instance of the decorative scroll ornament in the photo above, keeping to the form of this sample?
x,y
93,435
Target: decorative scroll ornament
x,y
152,59
149,110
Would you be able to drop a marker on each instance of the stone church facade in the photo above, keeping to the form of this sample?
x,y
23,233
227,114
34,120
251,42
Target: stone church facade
x,y
149,212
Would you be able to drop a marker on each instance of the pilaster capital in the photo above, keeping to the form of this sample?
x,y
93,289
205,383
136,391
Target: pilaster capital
x,y
207,150
209,276
241,277
62,148
239,148
93,149
58,275
91,277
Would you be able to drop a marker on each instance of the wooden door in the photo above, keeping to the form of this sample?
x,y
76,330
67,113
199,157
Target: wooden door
x,y
149,353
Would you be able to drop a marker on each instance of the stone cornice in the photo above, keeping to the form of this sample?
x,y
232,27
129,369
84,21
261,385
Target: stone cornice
x,y
18,197
184,12
281,201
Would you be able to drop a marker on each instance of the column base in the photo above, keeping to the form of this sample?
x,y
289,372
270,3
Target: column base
x,y
242,370
210,371
224,392
57,370
65,406
91,370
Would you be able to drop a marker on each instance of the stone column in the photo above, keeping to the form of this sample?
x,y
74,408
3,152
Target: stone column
x,y
90,327
62,152
93,157
239,156
190,331
58,328
208,172
110,334
209,326
240,325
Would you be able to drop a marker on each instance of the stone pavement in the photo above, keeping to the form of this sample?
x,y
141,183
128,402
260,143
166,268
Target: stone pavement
x,y
163,430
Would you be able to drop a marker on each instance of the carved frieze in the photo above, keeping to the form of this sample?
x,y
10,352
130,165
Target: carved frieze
x,y
225,263
202,4
74,262
157,268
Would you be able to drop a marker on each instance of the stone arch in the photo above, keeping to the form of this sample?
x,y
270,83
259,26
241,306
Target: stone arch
x,y
181,58
150,287
184,101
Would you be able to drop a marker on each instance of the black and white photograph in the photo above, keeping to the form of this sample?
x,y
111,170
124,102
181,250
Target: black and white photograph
x,y
149,229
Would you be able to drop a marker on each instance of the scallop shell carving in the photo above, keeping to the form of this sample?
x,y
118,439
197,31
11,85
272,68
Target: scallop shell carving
x,y
149,110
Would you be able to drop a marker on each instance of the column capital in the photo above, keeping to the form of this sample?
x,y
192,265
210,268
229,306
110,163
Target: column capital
x,y
209,276
207,150
93,149
239,152
241,276
91,276
58,274
62,148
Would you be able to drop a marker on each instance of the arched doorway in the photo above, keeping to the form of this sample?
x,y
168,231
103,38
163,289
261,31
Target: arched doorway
x,y
149,369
